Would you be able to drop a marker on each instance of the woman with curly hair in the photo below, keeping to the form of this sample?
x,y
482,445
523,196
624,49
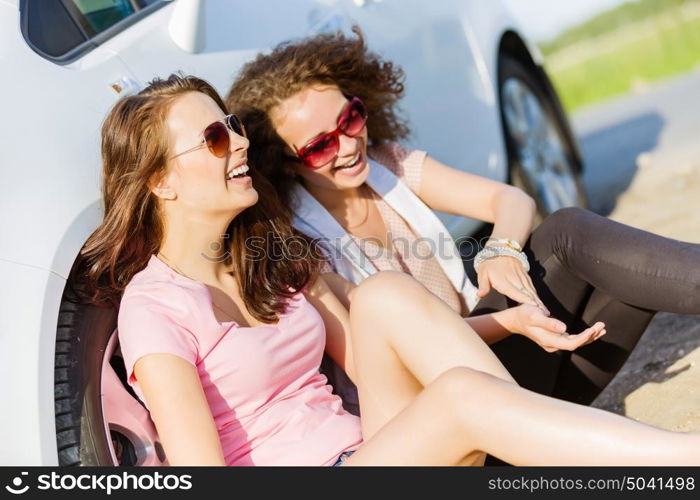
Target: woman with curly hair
x,y
322,116
222,341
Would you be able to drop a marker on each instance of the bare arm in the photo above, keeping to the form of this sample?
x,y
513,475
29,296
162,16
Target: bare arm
x,y
510,210
336,319
179,410
450,190
491,327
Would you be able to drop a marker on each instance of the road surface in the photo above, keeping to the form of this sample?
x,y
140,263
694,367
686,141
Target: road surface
x,y
642,155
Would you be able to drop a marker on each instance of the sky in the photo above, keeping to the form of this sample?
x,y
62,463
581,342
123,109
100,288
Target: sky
x,y
544,19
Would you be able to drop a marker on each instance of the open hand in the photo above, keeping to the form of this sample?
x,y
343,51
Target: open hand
x,y
550,333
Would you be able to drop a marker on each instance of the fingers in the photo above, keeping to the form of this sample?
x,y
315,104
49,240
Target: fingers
x,y
568,342
501,282
515,291
588,335
484,286
526,283
552,325
499,274
597,335
509,278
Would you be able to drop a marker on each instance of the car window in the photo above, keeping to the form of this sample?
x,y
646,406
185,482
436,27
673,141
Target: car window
x,y
98,15
63,30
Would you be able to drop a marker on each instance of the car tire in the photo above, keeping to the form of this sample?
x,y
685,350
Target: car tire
x,y
82,335
541,156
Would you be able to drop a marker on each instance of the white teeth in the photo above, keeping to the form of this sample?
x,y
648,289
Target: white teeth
x,y
352,163
237,171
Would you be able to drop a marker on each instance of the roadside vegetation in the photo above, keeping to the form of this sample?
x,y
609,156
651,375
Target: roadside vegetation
x,y
624,49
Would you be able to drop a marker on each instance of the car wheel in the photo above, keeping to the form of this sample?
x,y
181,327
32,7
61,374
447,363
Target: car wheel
x,y
540,151
82,335
99,419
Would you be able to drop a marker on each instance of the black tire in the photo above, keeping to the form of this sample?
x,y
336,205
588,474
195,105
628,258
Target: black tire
x,y
509,69
82,335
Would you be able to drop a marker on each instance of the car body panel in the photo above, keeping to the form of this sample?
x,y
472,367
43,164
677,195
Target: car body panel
x,y
29,302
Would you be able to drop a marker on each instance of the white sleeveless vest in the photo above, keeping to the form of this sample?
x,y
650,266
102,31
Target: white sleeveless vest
x,y
347,258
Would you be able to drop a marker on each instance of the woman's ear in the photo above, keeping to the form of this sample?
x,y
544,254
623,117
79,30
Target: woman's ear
x,y
160,186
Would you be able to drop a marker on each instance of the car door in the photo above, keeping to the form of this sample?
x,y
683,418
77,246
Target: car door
x,y
212,39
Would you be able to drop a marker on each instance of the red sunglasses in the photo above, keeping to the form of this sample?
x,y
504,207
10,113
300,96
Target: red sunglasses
x,y
324,148
217,138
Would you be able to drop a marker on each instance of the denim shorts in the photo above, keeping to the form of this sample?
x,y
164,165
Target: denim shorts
x,y
342,458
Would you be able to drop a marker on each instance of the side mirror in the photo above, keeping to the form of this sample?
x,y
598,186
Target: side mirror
x,y
186,27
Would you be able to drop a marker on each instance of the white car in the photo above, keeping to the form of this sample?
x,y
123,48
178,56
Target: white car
x,y
478,97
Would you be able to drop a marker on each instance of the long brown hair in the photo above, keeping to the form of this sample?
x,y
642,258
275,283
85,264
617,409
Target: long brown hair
x,y
134,150
331,59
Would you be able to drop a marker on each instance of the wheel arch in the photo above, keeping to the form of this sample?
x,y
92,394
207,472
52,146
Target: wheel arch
x,y
92,401
513,45
77,374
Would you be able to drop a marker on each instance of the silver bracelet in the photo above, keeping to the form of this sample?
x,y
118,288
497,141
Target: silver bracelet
x,y
491,252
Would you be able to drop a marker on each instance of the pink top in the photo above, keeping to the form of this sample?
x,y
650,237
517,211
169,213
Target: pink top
x,y
408,254
270,403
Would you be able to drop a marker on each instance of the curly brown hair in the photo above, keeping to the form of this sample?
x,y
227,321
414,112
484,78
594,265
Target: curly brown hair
x,y
331,59
134,150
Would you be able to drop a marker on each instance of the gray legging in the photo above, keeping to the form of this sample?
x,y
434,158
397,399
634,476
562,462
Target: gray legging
x,y
588,268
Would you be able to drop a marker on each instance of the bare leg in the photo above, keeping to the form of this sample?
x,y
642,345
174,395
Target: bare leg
x,y
465,410
442,412
403,339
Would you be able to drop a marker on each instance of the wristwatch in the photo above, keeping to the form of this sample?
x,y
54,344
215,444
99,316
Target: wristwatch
x,y
505,242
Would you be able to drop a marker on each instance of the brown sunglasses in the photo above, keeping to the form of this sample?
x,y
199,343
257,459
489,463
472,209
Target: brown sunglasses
x,y
216,136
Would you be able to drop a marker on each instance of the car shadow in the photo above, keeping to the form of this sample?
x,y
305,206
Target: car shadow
x,y
668,339
610,157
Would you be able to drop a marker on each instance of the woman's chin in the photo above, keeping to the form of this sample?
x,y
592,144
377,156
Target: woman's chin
x,y
253,197
246,199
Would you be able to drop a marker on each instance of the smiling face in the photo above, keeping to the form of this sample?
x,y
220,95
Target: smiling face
x,y
197,180
311,113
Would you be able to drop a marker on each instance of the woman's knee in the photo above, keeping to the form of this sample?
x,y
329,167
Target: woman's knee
x,y
567,218
559,230
458,387
386,291
470,388
468,397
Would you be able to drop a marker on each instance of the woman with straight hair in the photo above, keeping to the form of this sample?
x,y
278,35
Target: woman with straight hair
x,y
322,116
222,340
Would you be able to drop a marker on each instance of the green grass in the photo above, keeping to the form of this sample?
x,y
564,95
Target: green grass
x,y
606,22
668,50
